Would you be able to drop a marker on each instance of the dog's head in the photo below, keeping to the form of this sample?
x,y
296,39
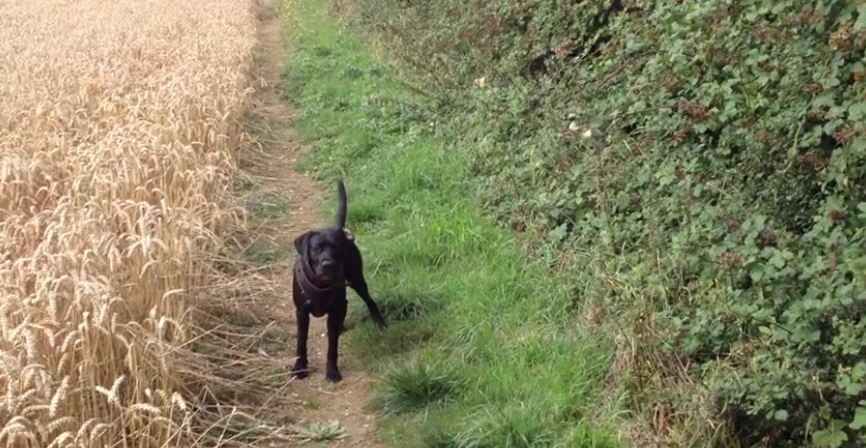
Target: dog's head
x,y
322,250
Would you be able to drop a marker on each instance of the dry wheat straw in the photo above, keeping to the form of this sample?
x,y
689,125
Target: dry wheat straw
x,y
119,130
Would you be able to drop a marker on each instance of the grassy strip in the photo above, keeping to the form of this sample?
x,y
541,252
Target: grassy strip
x,y
482,351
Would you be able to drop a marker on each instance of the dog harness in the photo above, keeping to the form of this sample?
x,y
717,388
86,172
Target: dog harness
x,y
316,298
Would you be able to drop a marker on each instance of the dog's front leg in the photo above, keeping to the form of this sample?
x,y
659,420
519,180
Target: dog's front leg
x,y
300,370
335,327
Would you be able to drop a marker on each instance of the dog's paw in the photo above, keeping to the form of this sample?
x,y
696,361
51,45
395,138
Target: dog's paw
x,y
333,375
300,371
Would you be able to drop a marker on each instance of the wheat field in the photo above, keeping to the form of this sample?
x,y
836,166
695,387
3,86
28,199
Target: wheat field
x,y
120,124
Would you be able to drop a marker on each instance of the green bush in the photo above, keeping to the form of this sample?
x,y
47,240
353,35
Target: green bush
x,y
703,166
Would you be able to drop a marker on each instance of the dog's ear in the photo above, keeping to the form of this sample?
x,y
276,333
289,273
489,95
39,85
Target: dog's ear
x,y
302,244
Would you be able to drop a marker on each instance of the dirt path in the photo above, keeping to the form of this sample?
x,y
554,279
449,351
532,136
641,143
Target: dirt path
x,y
272,171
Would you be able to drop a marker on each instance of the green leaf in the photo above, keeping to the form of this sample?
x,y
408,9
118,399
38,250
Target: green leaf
x,y
858,146
756,271
824,100
831,126
807,334
859,418
780,415
831,437
666,175
558,234
858,372
853,388
826,438
860,24
829,82
857,111
777,260
763,80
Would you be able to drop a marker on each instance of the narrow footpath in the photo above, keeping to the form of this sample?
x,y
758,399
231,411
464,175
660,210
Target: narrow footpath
x,y
321,410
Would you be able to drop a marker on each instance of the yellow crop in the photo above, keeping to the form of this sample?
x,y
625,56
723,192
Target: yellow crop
x,y
120,123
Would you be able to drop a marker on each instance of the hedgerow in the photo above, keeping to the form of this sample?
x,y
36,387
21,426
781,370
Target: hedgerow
x,y
701,164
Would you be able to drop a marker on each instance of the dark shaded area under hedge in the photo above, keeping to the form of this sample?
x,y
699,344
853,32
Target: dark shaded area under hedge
x,y
705,159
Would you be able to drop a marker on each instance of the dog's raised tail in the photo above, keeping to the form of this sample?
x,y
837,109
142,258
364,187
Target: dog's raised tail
x,y
341,207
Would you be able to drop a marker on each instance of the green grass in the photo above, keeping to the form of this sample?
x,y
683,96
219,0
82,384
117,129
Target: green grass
x,y
481,350
313,403
417,385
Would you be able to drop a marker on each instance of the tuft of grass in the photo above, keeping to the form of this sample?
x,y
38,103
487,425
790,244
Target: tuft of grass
x,y
313,403
417,385
482,349
320,432
583,436
512,425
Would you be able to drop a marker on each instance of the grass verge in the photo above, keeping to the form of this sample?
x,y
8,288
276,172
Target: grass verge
x,y
482,350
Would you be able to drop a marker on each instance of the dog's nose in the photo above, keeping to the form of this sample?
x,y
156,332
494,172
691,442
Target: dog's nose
x,y
327,263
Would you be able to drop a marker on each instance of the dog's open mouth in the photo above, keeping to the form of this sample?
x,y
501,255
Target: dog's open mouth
x,y
324,279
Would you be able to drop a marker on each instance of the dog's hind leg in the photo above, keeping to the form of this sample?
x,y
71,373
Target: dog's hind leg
x,y
360,286
354,268
300,370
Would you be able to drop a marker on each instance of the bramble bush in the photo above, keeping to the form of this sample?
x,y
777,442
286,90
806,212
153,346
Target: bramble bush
x,y
703,165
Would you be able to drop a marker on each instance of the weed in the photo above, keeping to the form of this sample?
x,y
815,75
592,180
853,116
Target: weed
x,y
320,432
313,402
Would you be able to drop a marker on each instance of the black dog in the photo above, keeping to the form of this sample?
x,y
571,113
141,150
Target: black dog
x,y
327,261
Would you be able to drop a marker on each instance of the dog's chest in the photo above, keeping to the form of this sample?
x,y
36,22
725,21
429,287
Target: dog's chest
x,y
318,303
316,300
316,307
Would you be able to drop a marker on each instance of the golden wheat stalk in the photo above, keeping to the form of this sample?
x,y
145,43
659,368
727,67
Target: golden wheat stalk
x,y
119,130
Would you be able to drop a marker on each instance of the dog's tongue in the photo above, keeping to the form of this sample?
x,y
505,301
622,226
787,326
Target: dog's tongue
x,y
324,278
